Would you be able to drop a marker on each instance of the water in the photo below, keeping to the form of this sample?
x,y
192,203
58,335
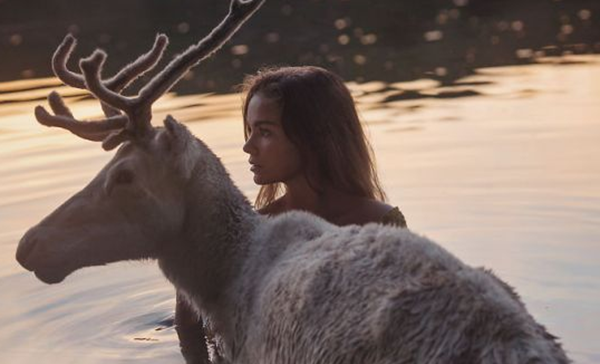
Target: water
x,y
507,178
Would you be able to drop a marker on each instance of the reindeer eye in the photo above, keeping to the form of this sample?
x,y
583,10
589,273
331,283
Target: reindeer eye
x,y
124,177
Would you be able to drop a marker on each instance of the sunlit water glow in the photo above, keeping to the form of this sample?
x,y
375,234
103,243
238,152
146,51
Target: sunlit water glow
x,y
503,170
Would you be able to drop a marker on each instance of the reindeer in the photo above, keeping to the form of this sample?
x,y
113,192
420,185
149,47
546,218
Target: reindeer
x,y
287,289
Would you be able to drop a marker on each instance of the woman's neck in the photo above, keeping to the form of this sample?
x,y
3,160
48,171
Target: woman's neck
x,y
300,195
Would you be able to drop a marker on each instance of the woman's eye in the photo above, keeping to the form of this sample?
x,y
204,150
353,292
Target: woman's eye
x,y
265,132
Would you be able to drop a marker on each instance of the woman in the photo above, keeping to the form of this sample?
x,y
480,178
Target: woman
x,y
307,151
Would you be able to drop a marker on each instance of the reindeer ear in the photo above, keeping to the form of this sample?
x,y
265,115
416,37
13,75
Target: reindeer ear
x,y
176,134
171,124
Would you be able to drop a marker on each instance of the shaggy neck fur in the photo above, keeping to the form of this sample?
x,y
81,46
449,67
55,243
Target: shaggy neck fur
x,y
208,256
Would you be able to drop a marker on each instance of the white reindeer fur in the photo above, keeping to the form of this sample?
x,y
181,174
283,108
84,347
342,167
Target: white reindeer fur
x,y
297,289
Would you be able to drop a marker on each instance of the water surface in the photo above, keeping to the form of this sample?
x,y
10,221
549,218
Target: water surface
x,y
502,169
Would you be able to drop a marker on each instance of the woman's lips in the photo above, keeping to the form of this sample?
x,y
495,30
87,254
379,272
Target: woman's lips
x,y
255,168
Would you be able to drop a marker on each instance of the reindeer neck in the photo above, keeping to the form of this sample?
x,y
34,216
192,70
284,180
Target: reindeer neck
x,y
214,243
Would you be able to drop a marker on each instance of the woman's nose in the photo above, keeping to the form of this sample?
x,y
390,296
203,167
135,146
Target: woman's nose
x,y
248,146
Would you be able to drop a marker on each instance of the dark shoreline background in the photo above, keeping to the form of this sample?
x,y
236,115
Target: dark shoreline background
x,y
384,40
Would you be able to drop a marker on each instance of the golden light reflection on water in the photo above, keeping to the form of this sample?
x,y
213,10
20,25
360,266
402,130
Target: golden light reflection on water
x,y
19,85
508,178
38,94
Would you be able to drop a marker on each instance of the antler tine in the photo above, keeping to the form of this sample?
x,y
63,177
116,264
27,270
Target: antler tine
x,y
140,66
59,63
58,105
115,139
59,66
239,12
101,126
72,125
111,132
92,130
121,80
138,118
91,68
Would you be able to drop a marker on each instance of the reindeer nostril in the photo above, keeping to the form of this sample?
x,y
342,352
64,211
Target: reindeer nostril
x,y
26,246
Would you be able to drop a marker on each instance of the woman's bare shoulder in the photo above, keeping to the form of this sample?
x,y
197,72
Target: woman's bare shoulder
x,y
394,217
374,210
381,212
360,211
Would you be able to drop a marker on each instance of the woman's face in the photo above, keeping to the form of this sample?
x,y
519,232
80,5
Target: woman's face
x,y
273,157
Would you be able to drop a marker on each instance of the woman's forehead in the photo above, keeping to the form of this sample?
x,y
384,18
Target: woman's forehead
x,y
262,110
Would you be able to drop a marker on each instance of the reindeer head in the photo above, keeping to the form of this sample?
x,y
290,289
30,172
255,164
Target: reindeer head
x,y
136,202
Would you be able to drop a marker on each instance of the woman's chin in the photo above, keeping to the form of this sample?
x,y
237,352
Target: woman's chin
x,y
261,180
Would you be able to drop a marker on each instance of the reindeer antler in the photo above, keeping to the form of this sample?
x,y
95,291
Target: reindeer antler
x,y
120,81
130,117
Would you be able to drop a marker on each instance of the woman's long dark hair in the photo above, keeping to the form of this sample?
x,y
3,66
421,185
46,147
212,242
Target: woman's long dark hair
x,y
319,116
